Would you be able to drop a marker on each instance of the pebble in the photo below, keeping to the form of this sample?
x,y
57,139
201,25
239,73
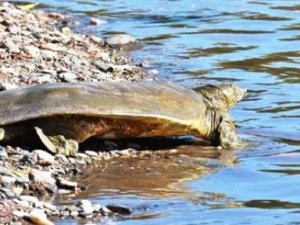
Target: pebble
x,y
122,210
8,193
96,21
38,217
11,46
49,206
7,86
67,77
66,184
44,158
120,39
97,40
86,207
43,177
31,200
66,30
5,172
33,51
7,180
91,153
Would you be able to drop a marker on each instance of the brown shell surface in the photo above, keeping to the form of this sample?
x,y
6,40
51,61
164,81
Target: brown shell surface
x,y
150,99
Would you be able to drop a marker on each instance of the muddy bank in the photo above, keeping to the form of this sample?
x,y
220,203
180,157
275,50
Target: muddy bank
x,y
35,48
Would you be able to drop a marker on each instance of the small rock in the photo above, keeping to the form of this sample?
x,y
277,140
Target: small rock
x,y
125,153
31,200
48,54
22,204
49,206
7,86
66,30
44,158
11,45
17,190
38,217
43,177
67,77
7,180
22,180
96,21
5,172
91,153
7,192
33,51
86,207
96,40
41,78
100,65
120,39
61,158
66,184
122,210
81,155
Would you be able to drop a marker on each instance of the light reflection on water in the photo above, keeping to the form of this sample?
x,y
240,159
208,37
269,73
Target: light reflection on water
x,y
254,44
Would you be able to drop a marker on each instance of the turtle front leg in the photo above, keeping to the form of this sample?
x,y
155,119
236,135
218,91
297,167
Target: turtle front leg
x,y
225,133
58,144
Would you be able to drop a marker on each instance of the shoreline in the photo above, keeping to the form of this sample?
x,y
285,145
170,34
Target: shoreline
x,y
36,48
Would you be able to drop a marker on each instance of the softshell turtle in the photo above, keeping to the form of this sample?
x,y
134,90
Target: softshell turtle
x,y
65,114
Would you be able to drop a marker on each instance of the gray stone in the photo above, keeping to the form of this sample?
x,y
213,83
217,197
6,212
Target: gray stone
x,y
8,193
43,177
100,65
48,54
96,40
49,206
41,78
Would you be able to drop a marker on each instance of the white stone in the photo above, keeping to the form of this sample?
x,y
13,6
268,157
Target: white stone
x,y
86,207
44,158
120,39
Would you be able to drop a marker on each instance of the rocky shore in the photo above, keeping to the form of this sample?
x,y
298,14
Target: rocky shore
x,y
38,47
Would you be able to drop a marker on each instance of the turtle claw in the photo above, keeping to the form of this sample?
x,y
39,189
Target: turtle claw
x,y
58,144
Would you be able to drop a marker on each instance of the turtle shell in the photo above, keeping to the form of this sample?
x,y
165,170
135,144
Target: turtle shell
x,y
161,100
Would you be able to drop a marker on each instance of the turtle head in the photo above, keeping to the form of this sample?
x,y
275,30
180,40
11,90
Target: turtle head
x,y
221,97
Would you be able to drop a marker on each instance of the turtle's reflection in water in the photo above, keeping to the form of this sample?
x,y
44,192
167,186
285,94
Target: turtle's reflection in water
x,y
159,173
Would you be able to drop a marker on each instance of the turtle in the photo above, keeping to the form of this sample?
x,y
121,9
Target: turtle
x,y
62,115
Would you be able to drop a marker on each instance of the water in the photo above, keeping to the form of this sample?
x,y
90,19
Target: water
x,y
254,44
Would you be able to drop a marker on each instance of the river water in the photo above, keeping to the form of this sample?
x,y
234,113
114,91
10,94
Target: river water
x,y
254,44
